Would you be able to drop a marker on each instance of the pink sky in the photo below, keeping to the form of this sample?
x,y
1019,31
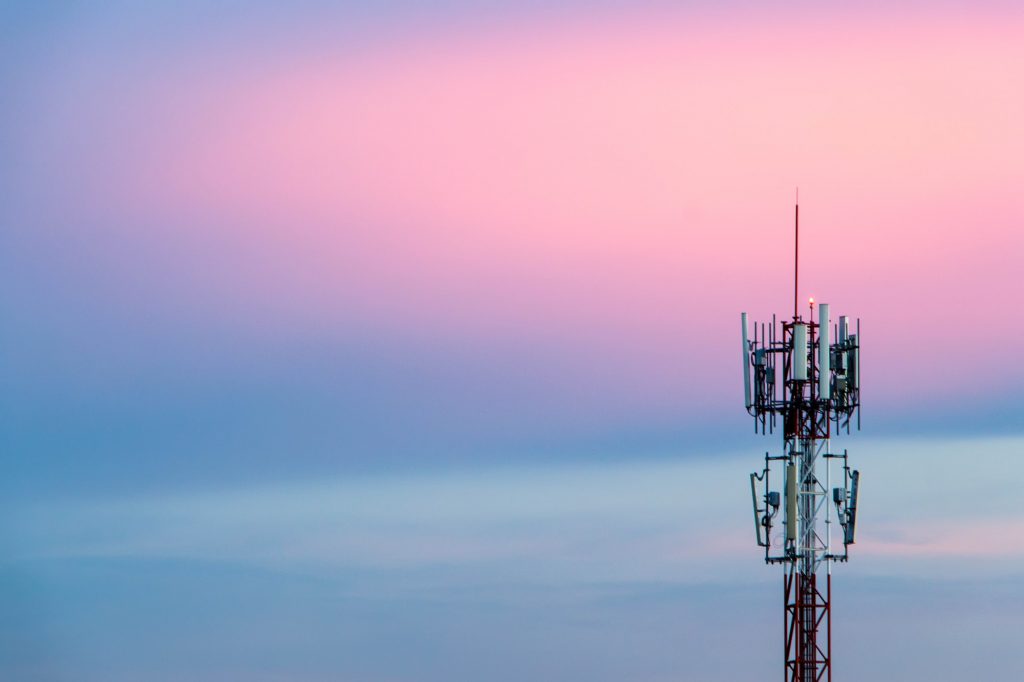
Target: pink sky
x,y
620,186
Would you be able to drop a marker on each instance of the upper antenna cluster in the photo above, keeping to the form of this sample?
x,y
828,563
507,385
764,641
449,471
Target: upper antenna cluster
x,y
802,361
798,362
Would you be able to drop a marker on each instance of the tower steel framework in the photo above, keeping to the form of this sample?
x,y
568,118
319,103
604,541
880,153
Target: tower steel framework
x,y
803,376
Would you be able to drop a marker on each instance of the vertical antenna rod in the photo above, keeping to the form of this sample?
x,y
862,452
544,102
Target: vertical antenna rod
x,y
796,255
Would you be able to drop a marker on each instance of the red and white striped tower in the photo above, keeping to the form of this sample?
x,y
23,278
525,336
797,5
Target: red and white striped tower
x,y
803,376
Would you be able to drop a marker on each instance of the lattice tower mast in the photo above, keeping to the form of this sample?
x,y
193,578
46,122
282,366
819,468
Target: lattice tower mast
x,y
804,376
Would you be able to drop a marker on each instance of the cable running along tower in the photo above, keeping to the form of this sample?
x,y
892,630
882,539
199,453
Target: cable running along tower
x,y
803,377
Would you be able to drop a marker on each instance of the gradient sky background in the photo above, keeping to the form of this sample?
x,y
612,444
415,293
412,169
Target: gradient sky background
x,y
396,341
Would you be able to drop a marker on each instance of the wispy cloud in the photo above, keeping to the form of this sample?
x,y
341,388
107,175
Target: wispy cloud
x,y
643,520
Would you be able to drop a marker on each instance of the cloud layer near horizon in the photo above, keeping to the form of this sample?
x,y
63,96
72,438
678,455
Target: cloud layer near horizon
x,y
930,509
651,541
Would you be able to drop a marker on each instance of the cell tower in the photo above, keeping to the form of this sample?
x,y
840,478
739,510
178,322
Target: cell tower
x,y
804,375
